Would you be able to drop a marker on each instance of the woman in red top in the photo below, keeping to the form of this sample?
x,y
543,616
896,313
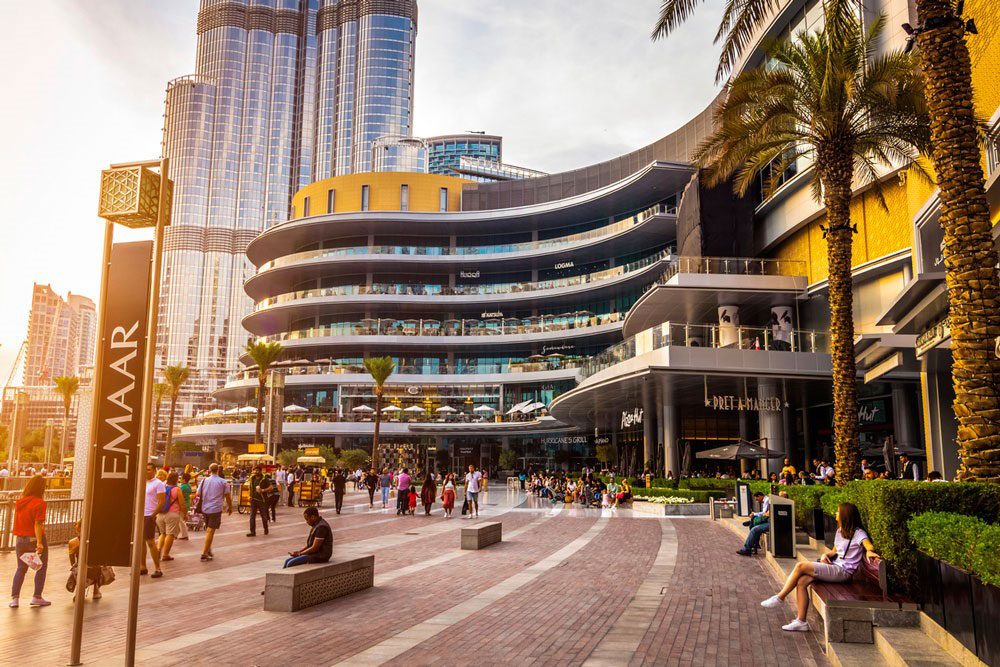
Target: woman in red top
x,y
29,533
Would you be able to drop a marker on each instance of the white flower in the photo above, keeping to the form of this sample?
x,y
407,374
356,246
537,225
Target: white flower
x,y
666,500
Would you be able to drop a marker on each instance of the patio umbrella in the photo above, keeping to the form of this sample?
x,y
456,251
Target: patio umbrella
x,y
536,357
362,408
532,407
739,450
484,408
295,408
302,362
446,408
214,413
247,409
414,408
233,411
391,408
517,408
555,355
324,361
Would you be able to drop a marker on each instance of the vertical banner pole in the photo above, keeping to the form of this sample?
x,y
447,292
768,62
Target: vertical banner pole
x,y
147,409
88,494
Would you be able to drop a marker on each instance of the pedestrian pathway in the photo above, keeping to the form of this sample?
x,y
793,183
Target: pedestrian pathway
x,y
567,586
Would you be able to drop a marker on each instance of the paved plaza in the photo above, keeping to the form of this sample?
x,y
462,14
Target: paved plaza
x,y
567,586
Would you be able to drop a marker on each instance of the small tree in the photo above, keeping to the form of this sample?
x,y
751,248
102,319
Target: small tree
x,y
352,459
606,454
508,459
176,377
330,454
160,391
66,386
264,355
380,368
288,457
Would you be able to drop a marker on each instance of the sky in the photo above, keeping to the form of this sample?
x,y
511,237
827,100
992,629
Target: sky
x,y
566,82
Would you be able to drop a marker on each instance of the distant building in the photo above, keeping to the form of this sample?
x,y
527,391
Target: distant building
x,y
62,335
399,153
444,152
484,170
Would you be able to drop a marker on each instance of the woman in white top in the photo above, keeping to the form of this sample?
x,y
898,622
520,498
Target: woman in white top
x,y
851,543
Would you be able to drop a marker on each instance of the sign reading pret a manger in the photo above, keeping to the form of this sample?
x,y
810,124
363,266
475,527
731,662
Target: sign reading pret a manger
x,y
115,452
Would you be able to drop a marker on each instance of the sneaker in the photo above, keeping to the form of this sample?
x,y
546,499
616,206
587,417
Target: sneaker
x,y
14,603
156,575
39,602
796,626
772,602
251,534
206,557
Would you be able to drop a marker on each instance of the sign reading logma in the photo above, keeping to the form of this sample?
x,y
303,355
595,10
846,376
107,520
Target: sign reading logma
x,y
119,409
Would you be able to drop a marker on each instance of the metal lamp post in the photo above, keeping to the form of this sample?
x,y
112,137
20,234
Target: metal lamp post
x,y
136,197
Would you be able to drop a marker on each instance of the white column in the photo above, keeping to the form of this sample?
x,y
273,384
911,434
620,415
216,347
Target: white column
x,y
81,448
671,437
729,322
771,424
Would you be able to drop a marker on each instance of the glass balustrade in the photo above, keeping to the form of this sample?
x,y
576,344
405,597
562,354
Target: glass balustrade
x,y
328,415
437,251
404,289
708,335
742,266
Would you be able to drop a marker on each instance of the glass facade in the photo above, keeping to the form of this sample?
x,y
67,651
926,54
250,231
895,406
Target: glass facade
x,y
444,153
399,153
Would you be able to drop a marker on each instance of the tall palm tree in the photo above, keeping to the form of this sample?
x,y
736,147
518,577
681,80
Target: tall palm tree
x,y
175,377
380,368
265,355
826,96
969,256
160,391
66,386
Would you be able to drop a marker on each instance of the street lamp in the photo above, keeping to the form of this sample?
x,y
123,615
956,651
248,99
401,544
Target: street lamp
x,y
134,196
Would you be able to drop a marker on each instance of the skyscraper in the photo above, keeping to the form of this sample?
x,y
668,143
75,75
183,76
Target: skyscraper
x,y
241,134
61,335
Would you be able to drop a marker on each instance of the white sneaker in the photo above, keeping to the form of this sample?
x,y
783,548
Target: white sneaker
x,y
772,602
796,626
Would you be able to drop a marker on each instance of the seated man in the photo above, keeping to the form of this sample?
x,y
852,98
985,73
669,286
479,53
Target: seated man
x,y
759,524
319,545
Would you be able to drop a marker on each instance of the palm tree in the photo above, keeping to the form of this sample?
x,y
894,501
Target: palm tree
x,y
826,96
969,256
380,368
66,386
175,377
160,391
263,354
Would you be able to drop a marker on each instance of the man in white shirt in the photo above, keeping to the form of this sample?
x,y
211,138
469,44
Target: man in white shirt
x,y
156,491
472,481
280,477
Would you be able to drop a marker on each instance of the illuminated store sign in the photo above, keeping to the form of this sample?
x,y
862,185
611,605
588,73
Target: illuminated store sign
x,y
556,348
495,313
744,403
631,417
563,265
468,274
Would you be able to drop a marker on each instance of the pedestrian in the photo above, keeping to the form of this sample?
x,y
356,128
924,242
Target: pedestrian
x,y
156,491
186,490
290,481
371,482
339,488
412,500
29,537
319,544
428,491
385,483
208,501
259,487
171,515
272,497
93,571
403,492
281,477
448,495
472,481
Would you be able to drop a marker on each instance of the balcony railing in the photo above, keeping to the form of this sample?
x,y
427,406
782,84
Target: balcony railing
x,y
740,266
465,327
680,334
439,251
429,416
555,364
465,290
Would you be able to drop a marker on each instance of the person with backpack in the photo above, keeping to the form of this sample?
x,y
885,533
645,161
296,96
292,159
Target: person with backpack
x,y
172,513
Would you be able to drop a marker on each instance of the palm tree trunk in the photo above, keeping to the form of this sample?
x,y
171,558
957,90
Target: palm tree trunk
x,y
64,436
969,255
170,433
260,405
378,417
156,428
837,175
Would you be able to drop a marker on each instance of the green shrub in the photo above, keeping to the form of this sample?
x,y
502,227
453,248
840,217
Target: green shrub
x,y
807,499
707,483
830,501
698,496
887,506
962,541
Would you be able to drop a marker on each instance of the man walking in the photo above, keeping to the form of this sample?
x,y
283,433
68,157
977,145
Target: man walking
x,y
155,493
290,481
260,487
211,493
403,492
339,488
472,481
280,476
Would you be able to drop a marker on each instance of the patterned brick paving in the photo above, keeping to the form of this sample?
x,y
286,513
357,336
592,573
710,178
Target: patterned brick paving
x,y
709,614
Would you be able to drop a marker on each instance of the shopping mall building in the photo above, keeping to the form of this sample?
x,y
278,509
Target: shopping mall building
x,y
622,303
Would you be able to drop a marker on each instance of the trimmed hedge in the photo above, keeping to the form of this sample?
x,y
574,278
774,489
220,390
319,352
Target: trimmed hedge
x,y
962,541
697,496
886,507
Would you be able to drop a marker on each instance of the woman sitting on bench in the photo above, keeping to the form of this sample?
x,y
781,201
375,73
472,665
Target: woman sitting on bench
x,y
838,566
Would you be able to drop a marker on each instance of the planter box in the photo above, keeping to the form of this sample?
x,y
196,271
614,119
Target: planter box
x,y
929,576
956,593
986,606
656,509
829,530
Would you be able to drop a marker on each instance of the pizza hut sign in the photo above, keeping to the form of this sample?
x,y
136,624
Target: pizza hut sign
x,y
631,417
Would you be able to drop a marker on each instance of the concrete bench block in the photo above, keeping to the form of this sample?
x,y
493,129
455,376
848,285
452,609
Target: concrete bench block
x,y
483,535
299,587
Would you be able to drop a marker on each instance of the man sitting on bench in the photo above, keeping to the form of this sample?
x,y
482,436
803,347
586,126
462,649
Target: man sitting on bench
x,y
837,566
319,545
759,524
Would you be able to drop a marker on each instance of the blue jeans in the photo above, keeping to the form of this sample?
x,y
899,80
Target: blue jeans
x,y
385,495
25,545
296,560
753,539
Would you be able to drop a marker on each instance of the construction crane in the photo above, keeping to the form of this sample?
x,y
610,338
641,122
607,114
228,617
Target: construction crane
x,y
17,362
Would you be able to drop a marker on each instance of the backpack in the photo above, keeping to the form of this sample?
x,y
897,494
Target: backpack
x,y
166,499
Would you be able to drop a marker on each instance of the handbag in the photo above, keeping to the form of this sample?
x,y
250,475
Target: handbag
x,y
465,507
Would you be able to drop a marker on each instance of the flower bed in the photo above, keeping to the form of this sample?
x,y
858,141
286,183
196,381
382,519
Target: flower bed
x,y
665,500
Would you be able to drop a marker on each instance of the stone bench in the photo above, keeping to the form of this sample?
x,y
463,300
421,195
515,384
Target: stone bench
x,y
483,535
295,588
